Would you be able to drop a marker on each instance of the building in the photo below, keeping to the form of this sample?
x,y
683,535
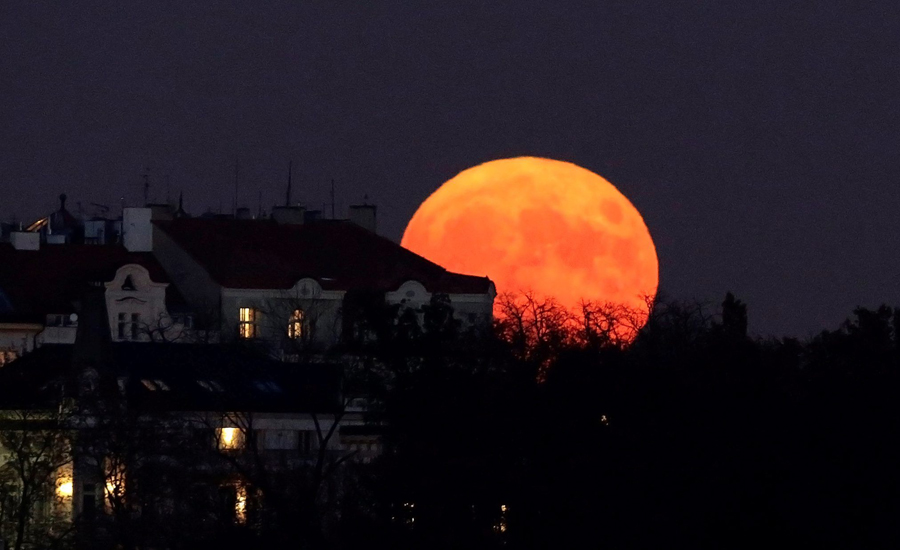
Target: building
x,y
289,281
41,285
196,327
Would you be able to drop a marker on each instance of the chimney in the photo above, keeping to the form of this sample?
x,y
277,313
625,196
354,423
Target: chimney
x,y
25,240
289,215
137,229
363,215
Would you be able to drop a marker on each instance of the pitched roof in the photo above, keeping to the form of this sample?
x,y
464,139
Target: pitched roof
x,y
34,283
339,254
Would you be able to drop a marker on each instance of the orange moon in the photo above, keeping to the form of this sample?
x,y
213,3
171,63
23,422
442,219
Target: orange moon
x,y
539,225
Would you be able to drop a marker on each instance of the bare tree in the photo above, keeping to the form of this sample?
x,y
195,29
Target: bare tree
x,y
36,478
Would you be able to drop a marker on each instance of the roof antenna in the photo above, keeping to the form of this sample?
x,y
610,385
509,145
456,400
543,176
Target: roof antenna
x,y
332,198
259,210
146,177
237,171
287,200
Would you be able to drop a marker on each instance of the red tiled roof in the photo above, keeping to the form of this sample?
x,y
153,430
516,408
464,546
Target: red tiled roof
x,y
34,283
340,255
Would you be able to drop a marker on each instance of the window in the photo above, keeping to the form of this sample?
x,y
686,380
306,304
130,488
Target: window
x,y
247,322
296,328
210,385
230,438
283,440
135,323
7,355
155,385
266,386
55,320
307,442
186,321
128,284
129,328
88,500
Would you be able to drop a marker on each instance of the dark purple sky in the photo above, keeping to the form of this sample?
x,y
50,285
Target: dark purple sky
x,y
758,139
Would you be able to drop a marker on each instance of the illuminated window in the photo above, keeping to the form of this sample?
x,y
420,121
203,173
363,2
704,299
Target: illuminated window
x,y
247,322
240,504
230,438
296,325
115,484
8,356
501,525
64,486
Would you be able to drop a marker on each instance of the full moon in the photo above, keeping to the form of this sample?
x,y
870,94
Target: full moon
x,y
543,226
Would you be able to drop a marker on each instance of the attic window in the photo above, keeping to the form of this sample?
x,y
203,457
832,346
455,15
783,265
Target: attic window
x,y
267,386
155,385
128,284
210,385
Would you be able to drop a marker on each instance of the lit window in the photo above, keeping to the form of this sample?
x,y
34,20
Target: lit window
x,y
240,504
64,486
248,318
230,438
115,483
295,325
8,356
500,526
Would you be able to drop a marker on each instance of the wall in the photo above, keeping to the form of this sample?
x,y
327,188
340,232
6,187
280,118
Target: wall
x,y
147,299
200,291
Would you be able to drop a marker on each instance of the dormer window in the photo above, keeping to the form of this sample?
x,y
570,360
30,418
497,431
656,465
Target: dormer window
x,y
128,284
62,320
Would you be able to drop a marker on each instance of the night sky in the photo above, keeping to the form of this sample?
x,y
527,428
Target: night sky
x,y
758,139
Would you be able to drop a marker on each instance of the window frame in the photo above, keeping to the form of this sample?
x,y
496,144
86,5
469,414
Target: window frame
x,y
248,325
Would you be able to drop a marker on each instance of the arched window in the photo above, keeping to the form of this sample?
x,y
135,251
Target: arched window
x,y
296,325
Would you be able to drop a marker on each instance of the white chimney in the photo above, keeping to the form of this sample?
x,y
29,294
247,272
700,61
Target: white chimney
x,y
137,231
25,240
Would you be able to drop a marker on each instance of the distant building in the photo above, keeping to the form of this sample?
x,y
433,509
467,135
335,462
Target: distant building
x,y
156,307
290,281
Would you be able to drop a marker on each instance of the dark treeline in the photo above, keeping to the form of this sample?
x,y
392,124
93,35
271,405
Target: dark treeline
x,y
557,435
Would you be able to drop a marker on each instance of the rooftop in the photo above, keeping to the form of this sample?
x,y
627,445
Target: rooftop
x,y
34,283
338,254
